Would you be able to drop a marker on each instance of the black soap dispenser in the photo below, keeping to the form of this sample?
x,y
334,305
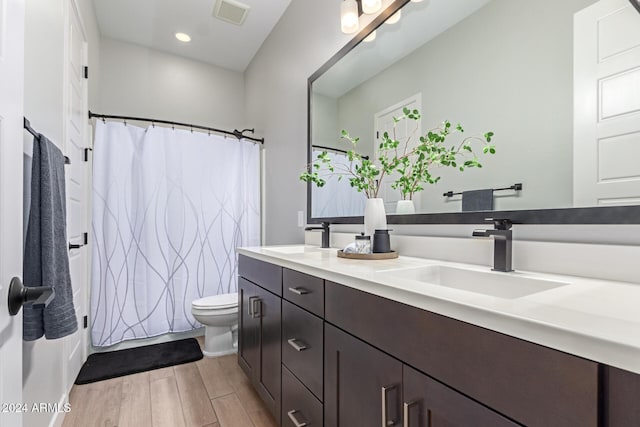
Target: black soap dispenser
x,y
381,241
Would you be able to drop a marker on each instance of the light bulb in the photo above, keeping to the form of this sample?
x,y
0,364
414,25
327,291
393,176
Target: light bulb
x,y
349,17
394,18
371,37
183,37
371,6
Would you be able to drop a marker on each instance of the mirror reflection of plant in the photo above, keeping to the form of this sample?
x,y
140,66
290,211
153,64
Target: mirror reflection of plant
x,y
364,175
414,164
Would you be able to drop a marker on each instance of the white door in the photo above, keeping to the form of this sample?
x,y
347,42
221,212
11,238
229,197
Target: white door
x,y
607,104
383,122
75,347
11,140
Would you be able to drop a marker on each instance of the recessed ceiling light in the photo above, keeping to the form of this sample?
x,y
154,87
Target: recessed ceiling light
x,y
183,37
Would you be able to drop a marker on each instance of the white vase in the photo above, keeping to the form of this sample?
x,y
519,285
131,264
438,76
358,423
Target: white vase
x,y
375,218
405,207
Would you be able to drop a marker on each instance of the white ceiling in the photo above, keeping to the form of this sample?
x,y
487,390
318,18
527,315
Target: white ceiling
x,y
153,23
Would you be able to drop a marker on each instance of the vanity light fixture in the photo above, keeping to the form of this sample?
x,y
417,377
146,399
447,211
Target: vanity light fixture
x,y
371,37
371,6
183,37
349,17
636,4
394,18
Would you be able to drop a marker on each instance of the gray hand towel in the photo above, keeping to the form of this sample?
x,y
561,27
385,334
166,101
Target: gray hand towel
x,y
477,200
46,258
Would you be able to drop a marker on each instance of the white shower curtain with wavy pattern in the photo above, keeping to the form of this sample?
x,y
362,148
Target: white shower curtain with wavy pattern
x,y
169,209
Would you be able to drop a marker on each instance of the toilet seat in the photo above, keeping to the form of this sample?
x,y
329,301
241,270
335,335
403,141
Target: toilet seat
x,y
214,302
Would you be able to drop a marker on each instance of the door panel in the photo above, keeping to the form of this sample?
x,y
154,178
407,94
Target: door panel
x,y
75,346
247,328
355,377
270,353
607,104
430,403
11,206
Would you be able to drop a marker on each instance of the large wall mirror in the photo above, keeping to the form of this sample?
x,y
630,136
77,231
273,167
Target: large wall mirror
x,y
557,82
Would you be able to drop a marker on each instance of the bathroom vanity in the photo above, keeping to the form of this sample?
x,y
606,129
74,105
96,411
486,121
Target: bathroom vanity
x,y
336,342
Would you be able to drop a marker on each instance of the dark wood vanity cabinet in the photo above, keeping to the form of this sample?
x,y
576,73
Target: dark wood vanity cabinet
x,y
362,385
366,387
426,402
259,340
320,353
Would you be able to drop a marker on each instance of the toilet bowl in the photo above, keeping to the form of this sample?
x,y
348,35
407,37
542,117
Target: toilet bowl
x,y
219,315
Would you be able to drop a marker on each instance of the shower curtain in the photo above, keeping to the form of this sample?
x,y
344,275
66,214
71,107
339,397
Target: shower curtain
x,y
169,209
337,197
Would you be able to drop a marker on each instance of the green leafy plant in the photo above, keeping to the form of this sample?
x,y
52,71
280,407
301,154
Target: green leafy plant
x,y
412,162
415,164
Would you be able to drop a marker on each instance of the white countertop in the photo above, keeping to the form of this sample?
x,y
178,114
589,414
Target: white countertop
x,y
595,319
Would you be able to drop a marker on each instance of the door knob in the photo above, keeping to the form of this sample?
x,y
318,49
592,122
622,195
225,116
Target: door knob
x,y
35,296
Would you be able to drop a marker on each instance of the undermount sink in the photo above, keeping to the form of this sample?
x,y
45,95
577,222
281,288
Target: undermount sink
x,y
503,285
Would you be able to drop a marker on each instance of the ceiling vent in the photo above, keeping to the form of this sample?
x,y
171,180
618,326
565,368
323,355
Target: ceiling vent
x,y
231,11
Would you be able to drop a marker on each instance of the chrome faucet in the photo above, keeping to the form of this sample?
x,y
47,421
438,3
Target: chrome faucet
x,y
324,226
502,237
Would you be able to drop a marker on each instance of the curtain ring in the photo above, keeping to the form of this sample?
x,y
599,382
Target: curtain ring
x,y
104,121
125,122
192,129
153,125
173,127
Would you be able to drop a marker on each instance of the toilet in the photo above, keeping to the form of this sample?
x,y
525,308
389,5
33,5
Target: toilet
x,y
219,315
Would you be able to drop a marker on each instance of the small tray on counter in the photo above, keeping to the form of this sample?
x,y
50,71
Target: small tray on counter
x,y
372,256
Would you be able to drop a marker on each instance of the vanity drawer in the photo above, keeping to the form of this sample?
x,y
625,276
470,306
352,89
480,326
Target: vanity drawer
x,y
304,290
263,274
302,346
529,383
299,406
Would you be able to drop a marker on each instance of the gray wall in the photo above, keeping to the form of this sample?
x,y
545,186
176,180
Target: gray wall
x,y
507,68
306,36
324,116
143,82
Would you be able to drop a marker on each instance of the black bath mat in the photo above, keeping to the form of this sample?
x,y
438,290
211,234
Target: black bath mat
x,y
102,366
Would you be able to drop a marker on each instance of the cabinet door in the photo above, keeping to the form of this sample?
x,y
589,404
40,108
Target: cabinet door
x,y
269,375
363,386
430,403
248,327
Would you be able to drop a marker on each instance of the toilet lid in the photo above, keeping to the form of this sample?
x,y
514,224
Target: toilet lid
x,y
217,301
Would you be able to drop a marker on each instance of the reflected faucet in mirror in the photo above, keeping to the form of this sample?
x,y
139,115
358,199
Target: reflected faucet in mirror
x,y
324,226
502,236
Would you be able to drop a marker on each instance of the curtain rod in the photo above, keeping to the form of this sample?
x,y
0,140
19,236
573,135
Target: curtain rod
x,y
337,150
237,133
32,131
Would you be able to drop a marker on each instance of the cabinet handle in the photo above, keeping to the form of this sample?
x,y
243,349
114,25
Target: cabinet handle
x,y
298,290
292,417
385,419
251,300
294,343
257,312
406,407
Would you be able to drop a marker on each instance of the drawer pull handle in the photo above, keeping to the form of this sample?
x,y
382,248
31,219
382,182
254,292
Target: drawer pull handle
x,y
405,412
292,417
294,343
385,418
299,290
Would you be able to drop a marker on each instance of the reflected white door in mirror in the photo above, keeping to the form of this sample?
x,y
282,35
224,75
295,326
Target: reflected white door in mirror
x,y
384,121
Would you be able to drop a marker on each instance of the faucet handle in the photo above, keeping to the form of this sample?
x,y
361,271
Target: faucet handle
x,y
500,223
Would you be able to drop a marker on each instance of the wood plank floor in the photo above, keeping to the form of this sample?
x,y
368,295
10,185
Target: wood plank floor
x,y
207,393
